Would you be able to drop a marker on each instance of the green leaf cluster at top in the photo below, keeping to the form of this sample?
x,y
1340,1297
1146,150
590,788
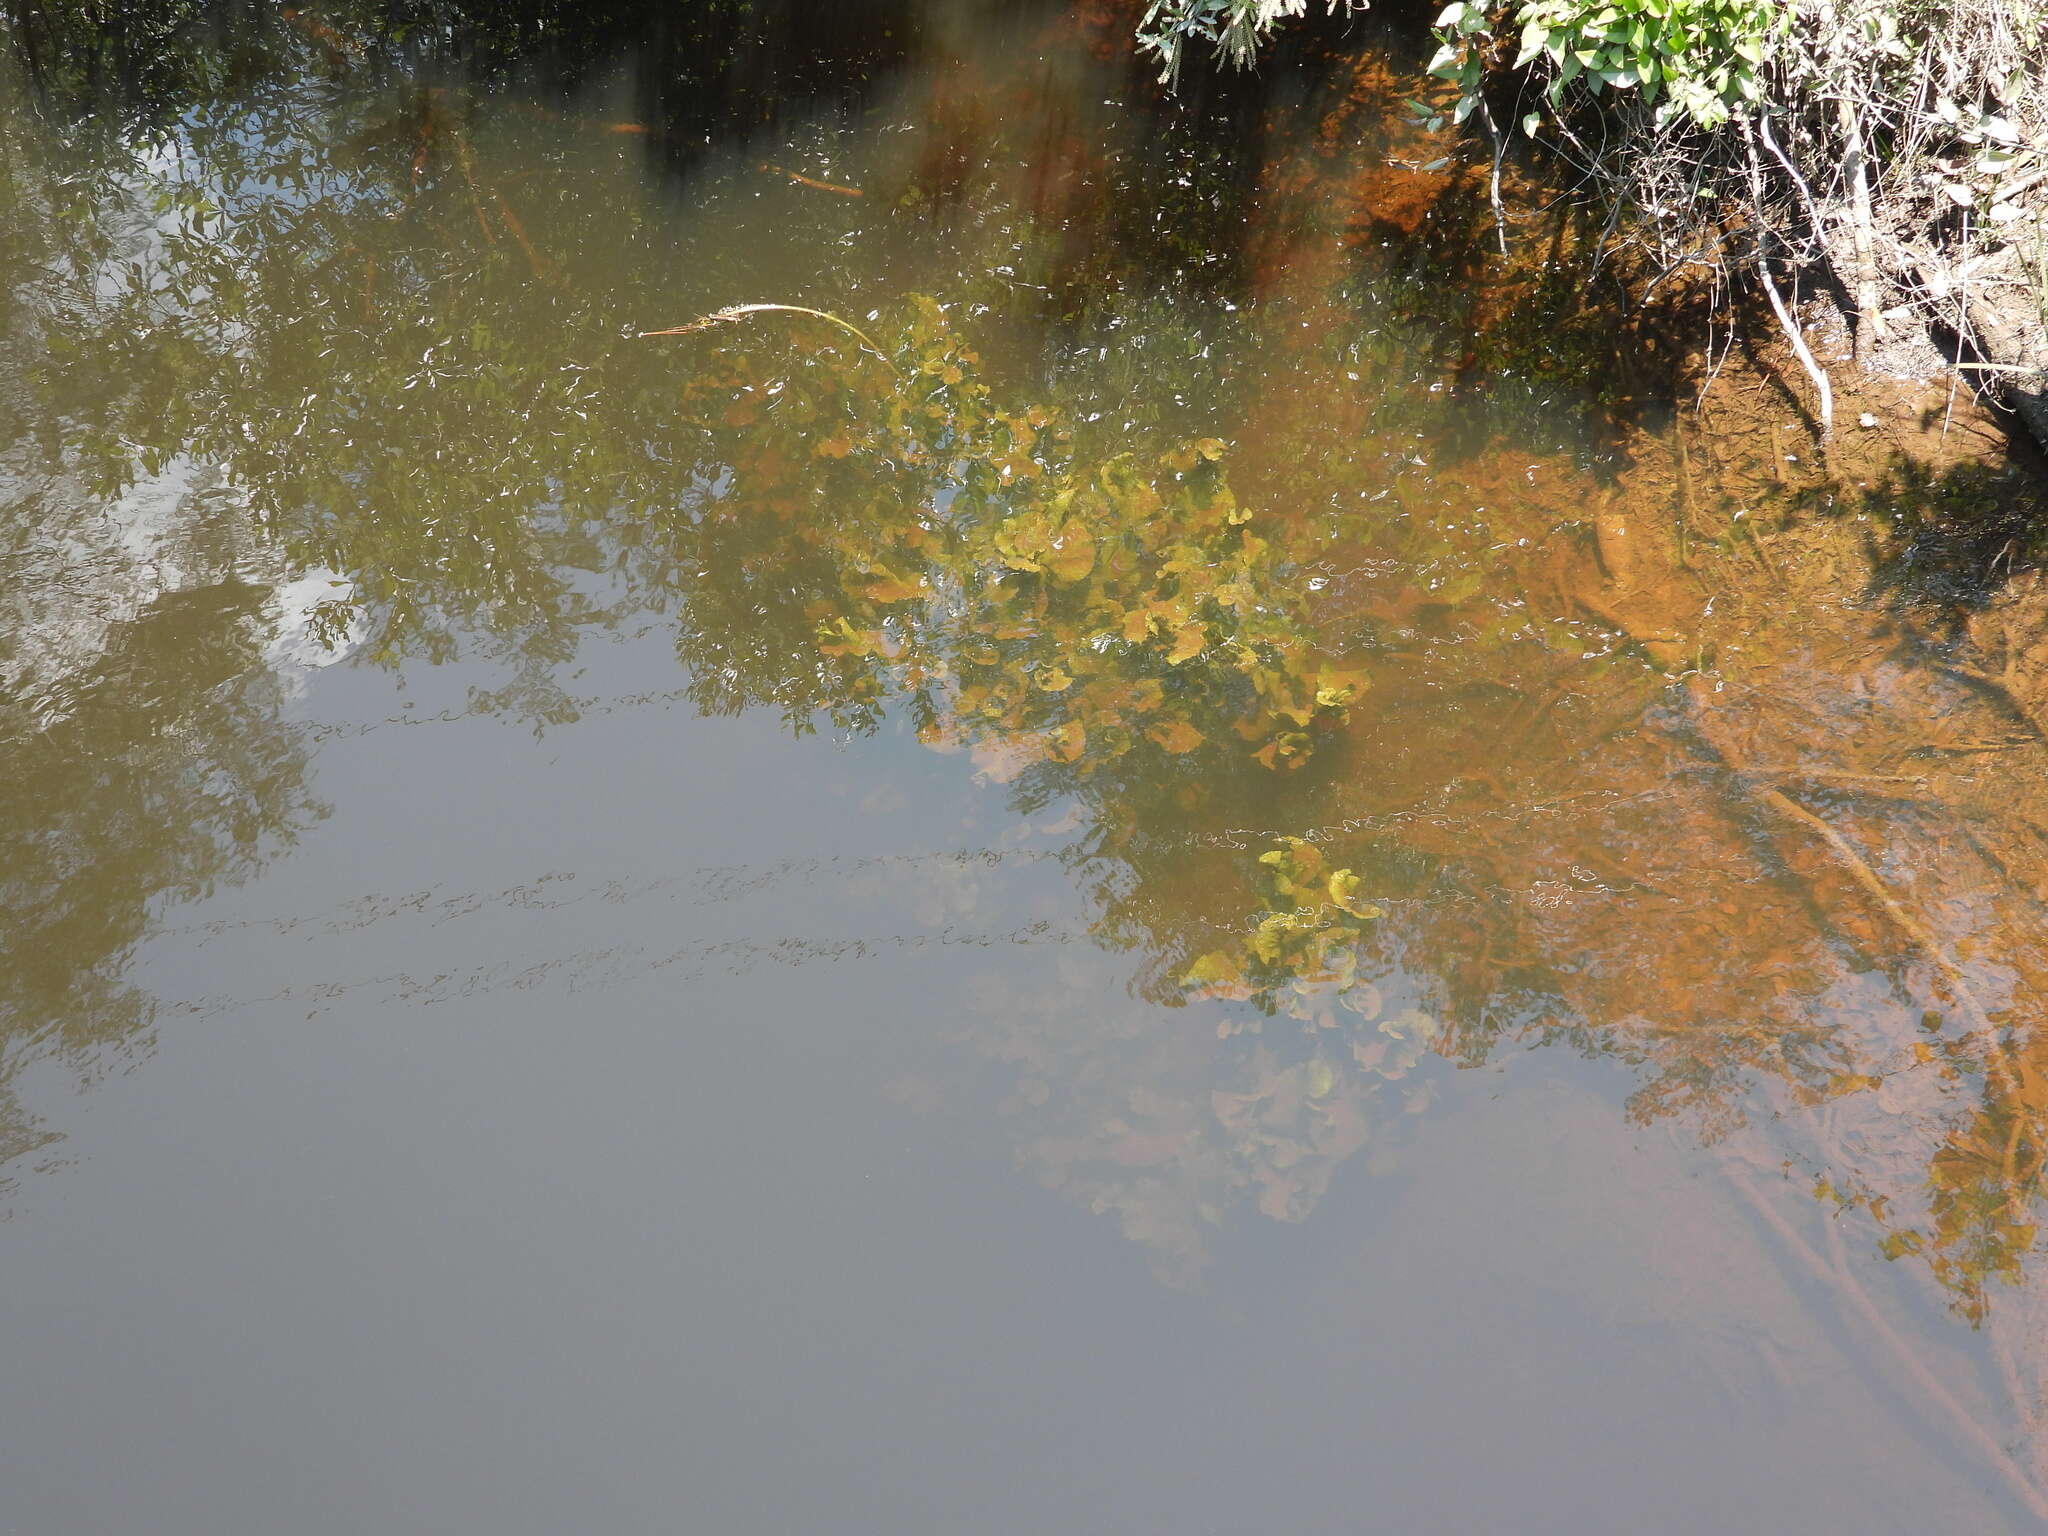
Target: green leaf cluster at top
x,y
1692,60
1233,28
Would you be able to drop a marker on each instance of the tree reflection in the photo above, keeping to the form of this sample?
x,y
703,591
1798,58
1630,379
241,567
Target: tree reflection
x,y
1365,783
143,756
167,774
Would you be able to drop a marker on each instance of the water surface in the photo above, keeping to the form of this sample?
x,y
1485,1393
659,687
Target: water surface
x,y
1152,864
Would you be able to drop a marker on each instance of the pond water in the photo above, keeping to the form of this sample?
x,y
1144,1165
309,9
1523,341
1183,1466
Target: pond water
x,y
1143,855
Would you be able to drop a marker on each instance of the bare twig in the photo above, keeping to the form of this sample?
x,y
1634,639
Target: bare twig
x,y
1500,149
734,313
1786,320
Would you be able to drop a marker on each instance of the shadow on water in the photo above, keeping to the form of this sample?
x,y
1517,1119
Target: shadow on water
x,y
1419,693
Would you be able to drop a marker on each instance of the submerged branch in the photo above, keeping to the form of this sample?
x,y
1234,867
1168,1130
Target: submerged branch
x,y
811,181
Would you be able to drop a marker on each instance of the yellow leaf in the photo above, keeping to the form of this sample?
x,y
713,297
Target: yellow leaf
x,y
1189,642
1055,679
1176,736
1344,892
840,638
1024,541
1214,967
1066,743
1297,863
1217,975
892,589
1335,690
1072,554
1287,750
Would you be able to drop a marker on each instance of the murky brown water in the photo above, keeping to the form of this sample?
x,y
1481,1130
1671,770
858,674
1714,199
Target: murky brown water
x,y
1158,864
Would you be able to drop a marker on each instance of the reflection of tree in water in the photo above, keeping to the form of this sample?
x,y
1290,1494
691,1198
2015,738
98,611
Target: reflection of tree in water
x,y
1351,629
169,773
143,758
1572,853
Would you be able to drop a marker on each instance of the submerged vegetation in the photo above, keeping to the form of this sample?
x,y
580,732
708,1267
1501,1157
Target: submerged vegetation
x,y
1027,602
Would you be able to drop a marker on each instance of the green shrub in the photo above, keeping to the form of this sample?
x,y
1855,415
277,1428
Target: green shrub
x,y
1692,59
